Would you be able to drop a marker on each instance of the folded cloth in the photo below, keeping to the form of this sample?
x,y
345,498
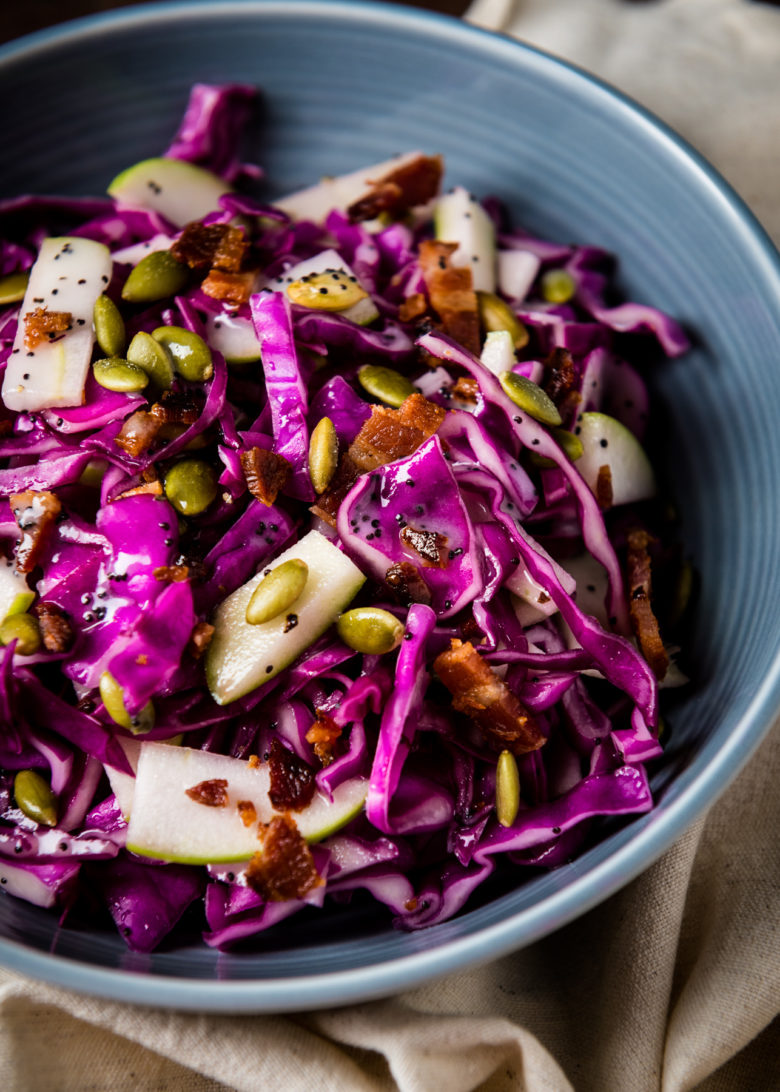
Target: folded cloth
x,y
671,985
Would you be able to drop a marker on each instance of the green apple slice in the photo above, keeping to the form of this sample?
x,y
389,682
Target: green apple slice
x,y
69,275
315,202
178,190
15,593
234,337
242,656
498,352
459,218
607,442
169,825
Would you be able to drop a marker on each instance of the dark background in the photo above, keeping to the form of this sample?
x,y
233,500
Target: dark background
x,y
22,18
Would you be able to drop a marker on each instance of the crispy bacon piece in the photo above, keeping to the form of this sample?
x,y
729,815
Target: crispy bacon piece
x,y
176,409
604,487
35,514
233,287
413,307
138,433
451,292
387,435
407,584
323,735
479,692
292,779
43,325
212,794
56,631
200,639
175,574
285,868
466,389
429,546
265,473
640,588
154,488
247,812
211,246
559,374
401,189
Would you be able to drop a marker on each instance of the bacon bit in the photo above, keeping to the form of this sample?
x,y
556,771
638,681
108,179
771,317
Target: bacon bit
x,y
233,287
253,761
213,794
247,811
35,513
470,631
451,292
138,433
265,473
558,374
176,409
200,639
480,693
154,488
411,904
292,779
407,585
43,325
643,620
387,435
428,545
466,389
322,735
285,868
176,574
56,631
401,189
413,307
210,246
604,487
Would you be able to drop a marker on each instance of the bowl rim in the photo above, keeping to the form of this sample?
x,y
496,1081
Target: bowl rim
x,y
669,825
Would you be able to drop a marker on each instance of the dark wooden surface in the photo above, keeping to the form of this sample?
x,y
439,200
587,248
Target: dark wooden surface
x,y
22,18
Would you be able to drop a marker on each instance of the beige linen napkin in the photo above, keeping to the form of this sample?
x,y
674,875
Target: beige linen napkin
x,y
672,984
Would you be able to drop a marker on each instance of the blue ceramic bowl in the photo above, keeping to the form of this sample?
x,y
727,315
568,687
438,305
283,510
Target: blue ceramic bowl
x,y
349,84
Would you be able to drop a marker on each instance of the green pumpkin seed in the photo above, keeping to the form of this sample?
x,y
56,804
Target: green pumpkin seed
x,y
93,473
323,454
496,314
13,287
191,485
530,397
507,789
114,702
157,276
109,326
570,444
35,798
558,286
277,592
190,354
386,384
332,290
23,629
116,374
370,630
146,352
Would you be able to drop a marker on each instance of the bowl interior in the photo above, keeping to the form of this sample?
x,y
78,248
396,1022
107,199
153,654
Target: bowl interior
x,y
349,84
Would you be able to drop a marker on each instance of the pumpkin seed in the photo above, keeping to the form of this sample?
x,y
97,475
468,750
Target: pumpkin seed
x,y
496,314
558,286
23,629
277,592
323,454
116,374
146,352
530,397
190,354
13,287
386,384
114,702
331,290
507,789
109,326
191,485
570,444
33,794
157,276
370,630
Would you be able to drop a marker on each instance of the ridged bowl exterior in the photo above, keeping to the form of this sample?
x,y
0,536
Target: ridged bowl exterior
x,y
348,84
